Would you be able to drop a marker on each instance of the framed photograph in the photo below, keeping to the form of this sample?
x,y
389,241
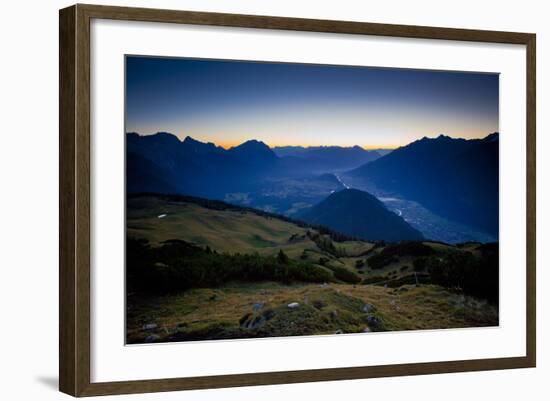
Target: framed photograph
x,y
250,200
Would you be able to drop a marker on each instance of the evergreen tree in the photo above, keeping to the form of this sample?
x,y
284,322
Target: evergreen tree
x,y
282,258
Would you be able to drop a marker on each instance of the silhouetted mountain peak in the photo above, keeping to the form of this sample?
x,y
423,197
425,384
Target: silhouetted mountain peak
x,y
494,137
199,147
253,149
165,135
351,193
441,138
320,159
190,140
355,197
360,214
252,144
452,177
164,138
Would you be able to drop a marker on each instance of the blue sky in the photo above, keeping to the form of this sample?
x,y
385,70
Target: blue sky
x,y
229,102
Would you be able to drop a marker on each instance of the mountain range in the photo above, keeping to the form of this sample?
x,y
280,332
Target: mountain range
x,y
328,158
194,167
204,169
454,178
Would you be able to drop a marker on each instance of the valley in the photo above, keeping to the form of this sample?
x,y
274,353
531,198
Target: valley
x,y
291,180
428,223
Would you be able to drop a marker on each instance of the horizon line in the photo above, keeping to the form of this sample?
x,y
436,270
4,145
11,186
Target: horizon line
x,y
228,146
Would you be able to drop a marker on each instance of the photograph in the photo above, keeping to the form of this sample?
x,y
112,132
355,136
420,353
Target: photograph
x,y
275,199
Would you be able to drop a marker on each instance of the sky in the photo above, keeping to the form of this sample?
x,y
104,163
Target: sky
x,y
230,102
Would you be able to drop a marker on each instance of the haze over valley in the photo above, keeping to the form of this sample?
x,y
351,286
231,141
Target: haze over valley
x,y
444,188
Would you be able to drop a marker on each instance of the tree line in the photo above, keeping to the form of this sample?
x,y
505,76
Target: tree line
x,y
177,265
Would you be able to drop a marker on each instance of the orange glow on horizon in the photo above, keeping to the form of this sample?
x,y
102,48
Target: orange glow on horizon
x,y
236,140
366,147
229,145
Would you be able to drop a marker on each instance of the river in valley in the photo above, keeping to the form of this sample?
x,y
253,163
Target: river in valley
x,y
429,224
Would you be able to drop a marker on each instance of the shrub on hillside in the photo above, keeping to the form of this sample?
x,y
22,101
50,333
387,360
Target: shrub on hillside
x,y
477,276
391,253
178,265
381,260
420,264
343,274
323,261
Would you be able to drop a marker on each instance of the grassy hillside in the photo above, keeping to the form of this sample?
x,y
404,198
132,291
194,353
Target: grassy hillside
x,y
230,231
237,230
240,311
201,269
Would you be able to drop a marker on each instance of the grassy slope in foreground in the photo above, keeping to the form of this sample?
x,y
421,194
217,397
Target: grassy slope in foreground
x,y
232,310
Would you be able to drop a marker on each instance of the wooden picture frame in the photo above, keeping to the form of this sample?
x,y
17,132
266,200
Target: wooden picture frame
x,y
74,204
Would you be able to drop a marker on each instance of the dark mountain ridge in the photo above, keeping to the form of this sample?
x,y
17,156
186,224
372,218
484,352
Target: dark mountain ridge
x,y
360,214
455,178
194,167
204,169
192,145
326,158
254,151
